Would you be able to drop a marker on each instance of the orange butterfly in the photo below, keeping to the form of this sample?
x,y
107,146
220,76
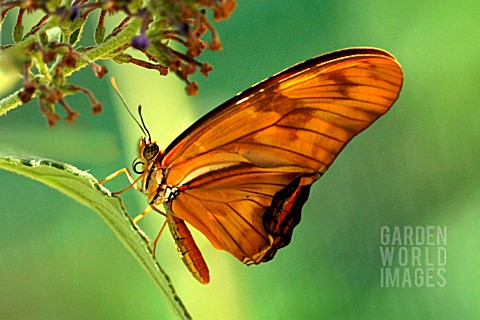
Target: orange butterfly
x,y
242,173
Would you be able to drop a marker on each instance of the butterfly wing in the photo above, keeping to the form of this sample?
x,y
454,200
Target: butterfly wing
x,y
245,169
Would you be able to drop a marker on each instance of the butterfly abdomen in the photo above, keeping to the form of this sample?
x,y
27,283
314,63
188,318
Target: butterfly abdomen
x,y
191,255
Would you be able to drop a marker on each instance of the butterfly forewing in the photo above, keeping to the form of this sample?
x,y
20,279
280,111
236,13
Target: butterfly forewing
x,y
244,170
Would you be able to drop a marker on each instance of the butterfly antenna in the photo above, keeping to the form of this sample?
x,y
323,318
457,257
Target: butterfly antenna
x,y
143,128
143,122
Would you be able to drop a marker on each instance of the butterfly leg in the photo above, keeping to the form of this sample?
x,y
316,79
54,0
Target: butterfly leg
x,y
143,214
133,182
158,238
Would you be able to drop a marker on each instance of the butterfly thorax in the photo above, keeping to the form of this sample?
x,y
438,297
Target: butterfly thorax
x,y
144,164
154,176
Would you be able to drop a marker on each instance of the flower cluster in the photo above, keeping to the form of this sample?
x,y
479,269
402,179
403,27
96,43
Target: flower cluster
x,y
49,52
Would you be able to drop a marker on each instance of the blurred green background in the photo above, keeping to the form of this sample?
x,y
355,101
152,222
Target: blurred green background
x,y
419,165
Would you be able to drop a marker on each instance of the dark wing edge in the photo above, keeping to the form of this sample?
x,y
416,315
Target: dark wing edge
x,y
283,216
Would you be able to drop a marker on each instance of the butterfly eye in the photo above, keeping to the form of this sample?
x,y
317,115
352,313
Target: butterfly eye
x,y
150,151
135,165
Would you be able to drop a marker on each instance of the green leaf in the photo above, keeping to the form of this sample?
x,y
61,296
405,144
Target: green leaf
x,y
99,34
85,189
17,33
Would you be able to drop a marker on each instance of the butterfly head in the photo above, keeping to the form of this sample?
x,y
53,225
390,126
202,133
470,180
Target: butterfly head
x,y
147,153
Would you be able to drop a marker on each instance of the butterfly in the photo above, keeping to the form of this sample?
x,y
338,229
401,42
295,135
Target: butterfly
x,y
241,174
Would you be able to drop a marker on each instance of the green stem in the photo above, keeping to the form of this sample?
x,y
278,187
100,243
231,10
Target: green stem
x,y
102,51
9,103
12,101
105,49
